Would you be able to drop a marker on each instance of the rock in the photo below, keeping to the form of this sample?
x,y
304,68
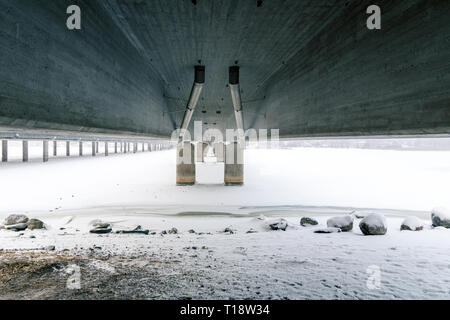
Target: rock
x,y
306,221
15,219
50,248
101,225
345,223
252,231
373,224
137,230
411,224
191,231
101,228
228,230
279,224
328,230
35,224
16,227
440,217
173,231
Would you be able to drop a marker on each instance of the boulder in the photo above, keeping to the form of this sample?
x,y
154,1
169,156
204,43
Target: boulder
x,y
278,224
101,228
173,231
345,223
328,230
15,219
306,221
411,224
16,227
35,224
373,224
228,230
440,217
137,230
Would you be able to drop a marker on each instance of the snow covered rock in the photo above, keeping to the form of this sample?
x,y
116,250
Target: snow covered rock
x,y
278,224
345,223
306,221
173,231
411,224
440,217
35,224
328,230
137,230
101,228
373,224
15,219
16,227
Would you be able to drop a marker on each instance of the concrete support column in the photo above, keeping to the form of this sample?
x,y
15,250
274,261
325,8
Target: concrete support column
x,y
45,151
55,148
115,147
200,151
4,150
96,147
143,147
135,147
149,147
185,163
234,164
219,151
121,147
80,148
106,149
25,151
67,148
93,148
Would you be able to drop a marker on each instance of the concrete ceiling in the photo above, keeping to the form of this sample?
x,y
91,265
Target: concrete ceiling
x,y
308,67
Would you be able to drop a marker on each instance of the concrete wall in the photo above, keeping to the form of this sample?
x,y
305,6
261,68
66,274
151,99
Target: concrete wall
x,y
308,67
349,80
89,80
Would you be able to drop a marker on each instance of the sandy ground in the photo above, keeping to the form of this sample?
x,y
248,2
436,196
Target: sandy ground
x,y
132,190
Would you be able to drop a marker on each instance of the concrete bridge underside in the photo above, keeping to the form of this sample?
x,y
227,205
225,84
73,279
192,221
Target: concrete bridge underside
x,y
307,67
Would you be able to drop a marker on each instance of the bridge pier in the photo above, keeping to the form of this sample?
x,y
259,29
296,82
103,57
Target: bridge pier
x,y
55,148
67,148
80,148
4,150
185,163
219,151
115,147
93,149
45,151
106,149
200,151
25,151
234,164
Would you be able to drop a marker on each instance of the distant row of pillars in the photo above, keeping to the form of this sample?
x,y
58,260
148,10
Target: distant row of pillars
x,y
125,147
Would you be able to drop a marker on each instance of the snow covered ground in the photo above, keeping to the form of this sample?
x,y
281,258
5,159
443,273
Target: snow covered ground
x,y
139,189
